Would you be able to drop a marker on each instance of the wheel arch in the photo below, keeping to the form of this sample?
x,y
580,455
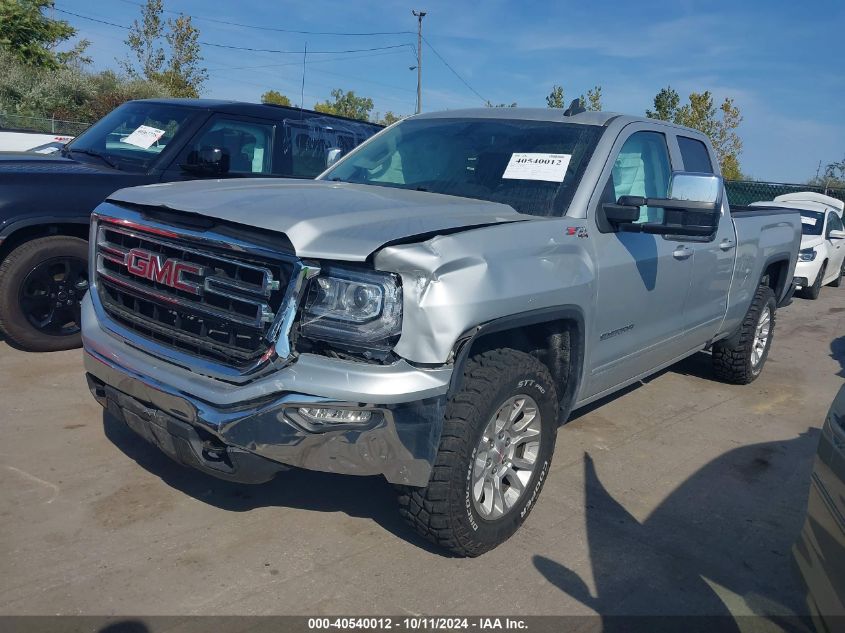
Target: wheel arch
x,y
555,336
34,228
775,275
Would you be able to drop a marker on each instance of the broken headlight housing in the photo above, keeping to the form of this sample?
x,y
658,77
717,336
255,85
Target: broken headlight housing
x,y
353,309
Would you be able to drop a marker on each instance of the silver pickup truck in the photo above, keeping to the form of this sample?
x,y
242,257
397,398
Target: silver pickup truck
x,y
432,307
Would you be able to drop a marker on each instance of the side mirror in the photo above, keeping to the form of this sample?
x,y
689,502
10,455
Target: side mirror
x,y
691,207
332,156
208,161
836,234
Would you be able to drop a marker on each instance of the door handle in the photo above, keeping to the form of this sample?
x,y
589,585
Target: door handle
x,y
727,244
682,252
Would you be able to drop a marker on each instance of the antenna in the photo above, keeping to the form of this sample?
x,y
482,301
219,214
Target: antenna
x,y
302,90
574,108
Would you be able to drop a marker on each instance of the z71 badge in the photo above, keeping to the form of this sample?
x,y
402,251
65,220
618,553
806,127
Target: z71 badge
x,y
580,231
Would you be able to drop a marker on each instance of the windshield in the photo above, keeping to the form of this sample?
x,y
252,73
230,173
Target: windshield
x,y
132,136
533,166
812,222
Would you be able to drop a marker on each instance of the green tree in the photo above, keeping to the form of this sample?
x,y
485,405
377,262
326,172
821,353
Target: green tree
x,y
833,175
593,100
275,97
184,74
68,92
144,42
718,123
346,104
590,101
666,104
555,98
390,118
31,37
490,104
179,66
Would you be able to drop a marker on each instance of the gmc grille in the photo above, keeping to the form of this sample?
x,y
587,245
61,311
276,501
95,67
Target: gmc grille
x,y
186,296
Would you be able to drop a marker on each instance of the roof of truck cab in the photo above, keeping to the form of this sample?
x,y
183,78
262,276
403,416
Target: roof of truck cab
x,y
529,114
264,110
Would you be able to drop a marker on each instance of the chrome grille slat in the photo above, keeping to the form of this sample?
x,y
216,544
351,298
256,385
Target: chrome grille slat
x,y
222,310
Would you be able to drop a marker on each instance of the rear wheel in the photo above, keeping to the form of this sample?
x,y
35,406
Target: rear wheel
x,y
740,358
812,292
495,449
42,283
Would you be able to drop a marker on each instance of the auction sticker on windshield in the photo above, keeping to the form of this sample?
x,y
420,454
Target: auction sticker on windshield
x,y
810,221
143,136
533,166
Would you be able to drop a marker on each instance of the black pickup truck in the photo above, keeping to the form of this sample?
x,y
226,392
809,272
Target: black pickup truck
x,y
46,199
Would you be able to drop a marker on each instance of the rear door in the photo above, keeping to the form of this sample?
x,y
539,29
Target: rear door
x,y
642,280
712,257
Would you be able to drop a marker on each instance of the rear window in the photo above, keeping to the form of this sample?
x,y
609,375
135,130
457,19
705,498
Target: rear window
x,y
695,155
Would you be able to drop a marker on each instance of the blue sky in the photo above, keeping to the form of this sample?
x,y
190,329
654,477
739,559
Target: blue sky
x,y
781,61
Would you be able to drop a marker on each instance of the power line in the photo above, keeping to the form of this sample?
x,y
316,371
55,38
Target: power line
x,y
312,61
279,30
250,49
454,72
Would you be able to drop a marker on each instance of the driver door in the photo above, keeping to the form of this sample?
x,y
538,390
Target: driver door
x,y
642,279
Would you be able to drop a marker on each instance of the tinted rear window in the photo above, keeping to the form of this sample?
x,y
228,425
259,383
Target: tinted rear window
x,y
695,155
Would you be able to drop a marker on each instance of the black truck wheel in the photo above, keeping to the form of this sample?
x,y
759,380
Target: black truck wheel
x,y
495,450
42,283
740,358
812,292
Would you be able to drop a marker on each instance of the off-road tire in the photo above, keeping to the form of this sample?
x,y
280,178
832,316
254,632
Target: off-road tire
x,y
13,271
443,512
812,292
732,356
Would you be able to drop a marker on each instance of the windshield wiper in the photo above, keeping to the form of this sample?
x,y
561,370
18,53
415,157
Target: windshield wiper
x,y
88,152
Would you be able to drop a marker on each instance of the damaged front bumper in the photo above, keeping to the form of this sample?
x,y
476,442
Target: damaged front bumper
x,y
249,432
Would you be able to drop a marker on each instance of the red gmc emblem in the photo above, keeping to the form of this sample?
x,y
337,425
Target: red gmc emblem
x,y
164,271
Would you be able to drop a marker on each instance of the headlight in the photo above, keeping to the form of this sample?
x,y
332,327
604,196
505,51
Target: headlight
x,y
357,309
806,254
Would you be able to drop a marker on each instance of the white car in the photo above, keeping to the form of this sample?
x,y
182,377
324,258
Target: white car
x,y
821,260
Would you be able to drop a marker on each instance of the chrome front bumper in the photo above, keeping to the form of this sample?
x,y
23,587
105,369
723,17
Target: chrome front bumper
x,y
400,441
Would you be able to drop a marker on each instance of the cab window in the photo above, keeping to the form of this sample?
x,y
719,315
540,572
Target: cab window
x,y
833,223
248,144
695,155
642,168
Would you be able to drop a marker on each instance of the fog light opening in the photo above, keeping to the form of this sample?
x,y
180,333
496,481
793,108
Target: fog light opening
x,y
332,415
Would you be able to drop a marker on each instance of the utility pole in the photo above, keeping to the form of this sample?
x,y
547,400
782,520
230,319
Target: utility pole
x,y
419,15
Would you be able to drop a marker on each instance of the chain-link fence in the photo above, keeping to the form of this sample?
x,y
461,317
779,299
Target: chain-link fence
x,y
43,125
742,192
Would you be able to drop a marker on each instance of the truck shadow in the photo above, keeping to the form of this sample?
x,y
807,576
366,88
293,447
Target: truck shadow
x,y
837,353
367,497
723,536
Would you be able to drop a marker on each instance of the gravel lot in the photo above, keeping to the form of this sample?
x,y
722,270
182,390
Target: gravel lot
x,y
678,496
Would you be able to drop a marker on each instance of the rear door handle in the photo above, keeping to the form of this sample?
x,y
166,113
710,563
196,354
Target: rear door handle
x,y
682,252
727,244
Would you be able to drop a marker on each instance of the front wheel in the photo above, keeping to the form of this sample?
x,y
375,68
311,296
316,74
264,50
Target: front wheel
x,y
494,455
838,281
740,358
42,283
812,293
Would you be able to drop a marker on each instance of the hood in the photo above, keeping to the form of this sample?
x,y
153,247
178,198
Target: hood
x,y
32,163
322,219
811,241
38,186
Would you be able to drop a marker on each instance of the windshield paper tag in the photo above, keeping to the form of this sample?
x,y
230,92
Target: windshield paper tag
x,y
143,136
810,221
550,167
